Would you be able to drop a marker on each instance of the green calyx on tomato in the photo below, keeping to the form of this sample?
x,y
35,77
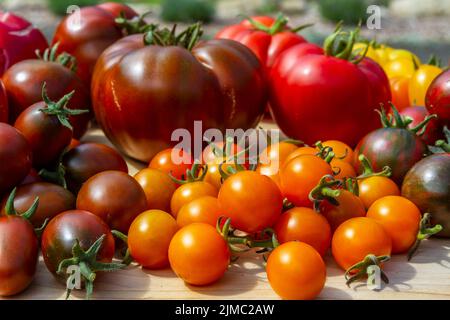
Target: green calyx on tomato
x,y
325,190
367,169
340,45
442,146
127,258
359,270
57,174
425,231
279,25
65,59
134,25
195,174
187,39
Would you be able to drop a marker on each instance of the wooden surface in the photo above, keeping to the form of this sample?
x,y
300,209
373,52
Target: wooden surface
x,y
427,277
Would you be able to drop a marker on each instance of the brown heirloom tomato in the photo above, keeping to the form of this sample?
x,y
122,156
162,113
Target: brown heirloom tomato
x,y
3,103
218,82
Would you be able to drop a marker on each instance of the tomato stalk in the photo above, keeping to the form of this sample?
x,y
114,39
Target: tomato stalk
x,y
57,174
368,169
425,231
65,59
441,145
187,39
193,174
279,25
127,259
325,190
361,269
134,25
340,45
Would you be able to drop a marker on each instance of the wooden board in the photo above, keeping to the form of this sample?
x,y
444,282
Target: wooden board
x,y
427,277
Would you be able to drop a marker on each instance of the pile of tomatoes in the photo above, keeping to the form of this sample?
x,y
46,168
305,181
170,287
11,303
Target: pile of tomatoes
x,y
361,190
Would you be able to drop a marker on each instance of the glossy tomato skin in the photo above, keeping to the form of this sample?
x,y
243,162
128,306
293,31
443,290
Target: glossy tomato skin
x,y
45,134
88,159
18,40
205,209
15,158
399,89
189,192
53,199
210,84
115,197
158,187
399,149
433,130
18,254
23,83
373,188
97,31
60,234
165,162
427,185
437,99
3,103
378,81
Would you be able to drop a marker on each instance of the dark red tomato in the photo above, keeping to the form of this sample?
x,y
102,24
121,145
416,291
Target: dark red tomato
x,y
24,81
19,40
53,200
437,99
115,197
15,158
88,159
32,177
87,38
265,36
433,130
3,103
218,82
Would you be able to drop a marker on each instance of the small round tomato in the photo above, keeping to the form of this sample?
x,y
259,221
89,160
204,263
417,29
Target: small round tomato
x,y
400,218
188,192
419,83
149,238
252,201
400,91
213,175
198,254
300,175
305,225
356,238
296,271
172,161
158,188
341,150
400,67
204,209
273,157
376,187
342,169
219,151
299,152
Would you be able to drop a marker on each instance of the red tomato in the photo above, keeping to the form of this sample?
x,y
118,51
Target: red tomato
x,y
433,130
19,40
3,103
437,99
172,161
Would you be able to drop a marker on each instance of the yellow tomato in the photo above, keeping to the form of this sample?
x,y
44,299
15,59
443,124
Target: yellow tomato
x,y
420,82
400,67
383,54
360,47
396,54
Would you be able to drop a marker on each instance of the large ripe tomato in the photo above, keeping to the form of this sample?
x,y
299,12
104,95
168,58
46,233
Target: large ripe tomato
x,y
296,271
311,101
3,103
209,82
420,82
437,99
19,40
198,254
15,158
158,188
305,225
252,201
172,161
433,130
89,36
205,209
188,192
115,197
149,238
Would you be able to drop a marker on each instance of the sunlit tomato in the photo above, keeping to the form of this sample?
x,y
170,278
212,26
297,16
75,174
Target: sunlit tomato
x,y
172,161
350,206
400,218
400,67
438,97
296,271
188,192
400,91
343,169
376,187
341,150
149,238
158,188
198,254
419,83
433,131
300,175
204,209
252,201
299,152
305,225
213,175
395,54
273,157
371,53
354,239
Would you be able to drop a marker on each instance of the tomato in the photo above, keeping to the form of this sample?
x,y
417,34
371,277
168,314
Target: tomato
x,y
349,206
273,157
399,89
395,54
300,175
427,185
265,36
437,99
342,169
376,187
208,82
19,40
296,271
15,158
250,211
300,151
217,152
32,176
356,238
302,113
172,161
115,197
158,188
420,81
305,225
205,209
149,238
88,159
53,200
3,103
341,150
433,130
188,192
371,53
87,39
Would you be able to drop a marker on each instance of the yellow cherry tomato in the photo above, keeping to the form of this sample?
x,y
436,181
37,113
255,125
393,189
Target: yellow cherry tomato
x,y
360,47
396,54
419,83
400,67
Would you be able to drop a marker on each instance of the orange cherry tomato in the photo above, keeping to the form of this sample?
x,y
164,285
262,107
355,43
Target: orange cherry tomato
x,y
252,201
354,239
300,175
296,271
341,150
166,161
343,168
305,225
419,83
299,152
213,174
400,218
273,157
399,90
149,238
158,188
204,209
400,67
188,192
376,187
217,156
198,254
